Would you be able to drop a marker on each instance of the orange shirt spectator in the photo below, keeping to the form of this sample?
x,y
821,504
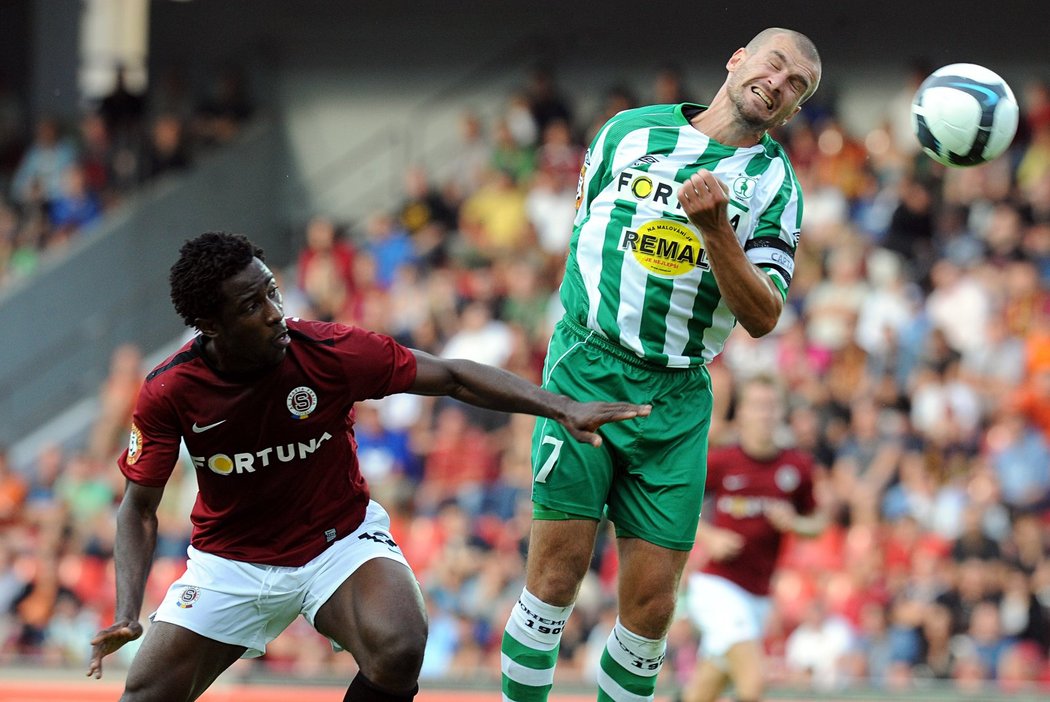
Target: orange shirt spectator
x,y
13,490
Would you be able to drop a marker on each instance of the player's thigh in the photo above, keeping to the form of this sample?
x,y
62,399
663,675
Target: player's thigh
x,y
175,664
657,492
377,614
364,597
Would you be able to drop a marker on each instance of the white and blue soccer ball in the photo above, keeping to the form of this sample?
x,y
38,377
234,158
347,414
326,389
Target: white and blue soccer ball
x,y
964,115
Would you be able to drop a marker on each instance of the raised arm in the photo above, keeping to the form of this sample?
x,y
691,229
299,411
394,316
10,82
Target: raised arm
x,y
136,539
747,290
493,388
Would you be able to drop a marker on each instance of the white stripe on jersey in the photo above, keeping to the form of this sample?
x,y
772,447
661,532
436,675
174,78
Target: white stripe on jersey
x,y
627,152
633,278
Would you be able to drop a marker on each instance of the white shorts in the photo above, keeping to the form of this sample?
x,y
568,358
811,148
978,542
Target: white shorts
x,y
248,604
725,613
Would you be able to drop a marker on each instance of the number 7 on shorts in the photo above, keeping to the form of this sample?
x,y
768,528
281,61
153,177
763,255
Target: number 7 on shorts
x,y
548,465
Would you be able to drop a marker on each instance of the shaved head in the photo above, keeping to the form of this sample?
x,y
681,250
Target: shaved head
x,y
804,44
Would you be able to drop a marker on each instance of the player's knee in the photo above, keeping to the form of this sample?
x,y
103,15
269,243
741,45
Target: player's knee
x,y
648,614
556,588
397,654
139,689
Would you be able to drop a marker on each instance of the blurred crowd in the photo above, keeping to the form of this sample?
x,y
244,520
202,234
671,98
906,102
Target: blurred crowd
x,y
915,350
58,179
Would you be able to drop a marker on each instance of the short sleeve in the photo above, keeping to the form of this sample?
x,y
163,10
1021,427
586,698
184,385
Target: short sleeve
x,y
376,364
153,445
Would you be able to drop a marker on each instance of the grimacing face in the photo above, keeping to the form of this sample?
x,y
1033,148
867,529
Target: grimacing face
x,y
250,332
767,87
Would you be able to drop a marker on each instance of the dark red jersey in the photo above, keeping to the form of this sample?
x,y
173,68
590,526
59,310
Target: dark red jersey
x,y
740,487
274,452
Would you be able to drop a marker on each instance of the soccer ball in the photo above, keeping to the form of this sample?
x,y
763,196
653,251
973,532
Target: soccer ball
x,y
964,115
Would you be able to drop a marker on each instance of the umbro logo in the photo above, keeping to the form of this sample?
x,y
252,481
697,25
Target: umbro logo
x,y
206,427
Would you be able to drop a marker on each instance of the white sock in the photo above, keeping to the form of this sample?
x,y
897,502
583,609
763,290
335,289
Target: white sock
x,y
629,666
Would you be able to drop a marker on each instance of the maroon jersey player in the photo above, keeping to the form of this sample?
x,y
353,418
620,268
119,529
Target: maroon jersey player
x,y
759,491
283,525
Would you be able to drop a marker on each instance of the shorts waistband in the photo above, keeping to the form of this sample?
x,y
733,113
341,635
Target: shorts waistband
x,y
590,336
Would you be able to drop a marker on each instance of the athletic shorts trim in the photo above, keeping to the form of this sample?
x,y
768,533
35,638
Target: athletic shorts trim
x,y
550,514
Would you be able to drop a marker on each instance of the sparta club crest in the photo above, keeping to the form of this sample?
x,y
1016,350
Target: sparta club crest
x,y
302,401
188,597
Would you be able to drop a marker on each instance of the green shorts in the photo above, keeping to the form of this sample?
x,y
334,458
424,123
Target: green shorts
x,y
648,474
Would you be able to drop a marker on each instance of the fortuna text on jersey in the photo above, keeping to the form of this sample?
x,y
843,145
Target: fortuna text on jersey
x,y
225,464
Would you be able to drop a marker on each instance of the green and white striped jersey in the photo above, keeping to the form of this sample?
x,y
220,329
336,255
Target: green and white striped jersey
x,y
637,272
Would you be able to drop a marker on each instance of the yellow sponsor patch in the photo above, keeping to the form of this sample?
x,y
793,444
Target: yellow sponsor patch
x,y
665,248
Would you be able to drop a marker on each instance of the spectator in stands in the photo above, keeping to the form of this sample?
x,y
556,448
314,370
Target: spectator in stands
x,y
167,148
1020,455
76,208
473,155
116,399
13,492
123,109
617,98
423,205
43,165
972,541
493,220
866,462
325,269
226,107
98,157
669,86
974,584
42,500
509,156
816,648
389,245
37,602
559,157
832,307
984,639
937,656
545,100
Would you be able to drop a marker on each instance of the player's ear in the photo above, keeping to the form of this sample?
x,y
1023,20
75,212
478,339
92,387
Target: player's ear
x,y
792,115
207,327
738,56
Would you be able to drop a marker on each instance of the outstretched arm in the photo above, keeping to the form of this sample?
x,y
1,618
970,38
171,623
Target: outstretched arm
x,y
493,388
136,539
